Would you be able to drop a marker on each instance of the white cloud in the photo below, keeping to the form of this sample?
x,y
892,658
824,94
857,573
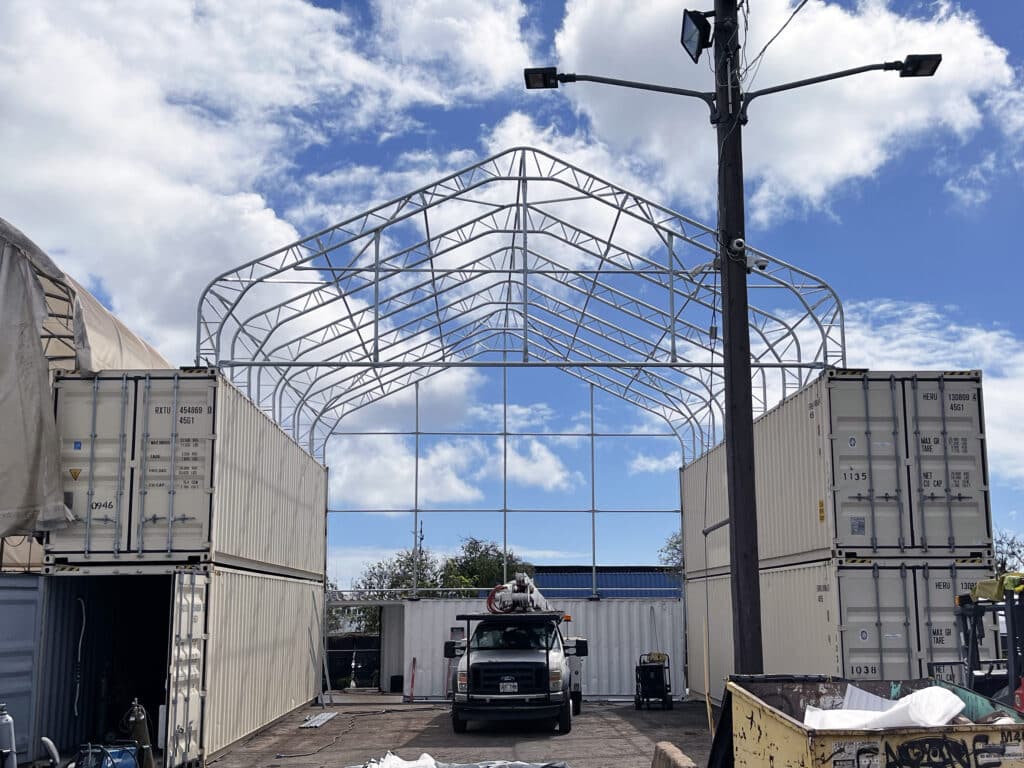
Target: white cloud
x,y
801,146
379,472
970,188
138,139
537,555
474,46
346,564
643,462
519,418
539,466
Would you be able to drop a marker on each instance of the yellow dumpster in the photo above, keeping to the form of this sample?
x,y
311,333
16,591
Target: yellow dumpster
x,y
761,725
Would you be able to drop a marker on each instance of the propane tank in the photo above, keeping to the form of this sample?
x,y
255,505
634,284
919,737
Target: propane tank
x,y
8,750
1018,697
138,729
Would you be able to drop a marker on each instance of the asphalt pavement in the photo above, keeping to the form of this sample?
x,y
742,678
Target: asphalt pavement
x,y
604,735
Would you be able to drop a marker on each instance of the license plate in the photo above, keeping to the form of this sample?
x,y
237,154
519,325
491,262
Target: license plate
x,y
508,687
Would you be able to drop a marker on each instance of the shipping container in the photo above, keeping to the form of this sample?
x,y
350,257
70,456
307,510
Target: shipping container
x,y
618,630
212,653
859,620
243,492
857,463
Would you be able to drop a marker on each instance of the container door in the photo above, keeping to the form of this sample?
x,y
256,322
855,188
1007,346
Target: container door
x,y
937,586
94,421
868,465
174,439
879,639
950,499
183,740
21,606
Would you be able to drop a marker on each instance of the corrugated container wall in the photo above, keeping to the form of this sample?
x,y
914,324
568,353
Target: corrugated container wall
x,y
243,492
213,654
864,621
618,632
264,652
856,463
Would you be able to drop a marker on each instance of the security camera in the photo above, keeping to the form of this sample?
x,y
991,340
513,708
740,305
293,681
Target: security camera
x,y
737,245
760,262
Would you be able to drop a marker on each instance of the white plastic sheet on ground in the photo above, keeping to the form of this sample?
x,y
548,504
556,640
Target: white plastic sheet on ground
x,y
391,760
932,706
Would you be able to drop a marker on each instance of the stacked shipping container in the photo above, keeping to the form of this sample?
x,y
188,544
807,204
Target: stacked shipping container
x,y
193,572
873,512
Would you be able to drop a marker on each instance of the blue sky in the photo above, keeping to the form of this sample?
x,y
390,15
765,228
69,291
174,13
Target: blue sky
x,y
151,148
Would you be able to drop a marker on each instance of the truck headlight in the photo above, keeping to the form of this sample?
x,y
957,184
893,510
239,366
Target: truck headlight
x,y
462,677
556,680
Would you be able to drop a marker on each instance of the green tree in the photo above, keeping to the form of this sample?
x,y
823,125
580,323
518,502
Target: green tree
x,y
479,563
1009,550
671,554
393,578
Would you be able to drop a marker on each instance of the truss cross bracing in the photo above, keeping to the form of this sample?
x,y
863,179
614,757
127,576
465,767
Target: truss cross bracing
x,y
519,260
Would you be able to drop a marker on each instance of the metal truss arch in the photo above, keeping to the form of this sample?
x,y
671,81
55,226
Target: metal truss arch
x,y
519,260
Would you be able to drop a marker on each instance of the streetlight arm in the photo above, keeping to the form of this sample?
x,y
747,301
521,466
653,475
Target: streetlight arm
x,y
706,96
749,97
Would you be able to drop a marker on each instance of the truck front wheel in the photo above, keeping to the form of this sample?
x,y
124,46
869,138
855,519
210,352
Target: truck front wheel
x,y
577,702
458,724
565,718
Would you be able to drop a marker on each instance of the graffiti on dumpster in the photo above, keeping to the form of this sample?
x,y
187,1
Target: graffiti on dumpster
x,y
978,751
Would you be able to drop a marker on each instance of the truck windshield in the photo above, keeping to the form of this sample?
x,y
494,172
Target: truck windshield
x,y
507,637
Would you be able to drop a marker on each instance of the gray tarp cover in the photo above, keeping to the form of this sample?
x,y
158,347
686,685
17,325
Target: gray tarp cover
x,y
31,496
47,321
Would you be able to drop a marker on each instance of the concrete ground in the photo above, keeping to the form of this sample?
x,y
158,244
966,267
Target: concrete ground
x,y
604,735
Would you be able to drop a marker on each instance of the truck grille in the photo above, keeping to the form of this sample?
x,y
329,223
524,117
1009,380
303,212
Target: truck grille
x,y
530,677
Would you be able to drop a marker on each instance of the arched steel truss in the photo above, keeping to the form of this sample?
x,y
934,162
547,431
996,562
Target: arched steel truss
x,y
521,259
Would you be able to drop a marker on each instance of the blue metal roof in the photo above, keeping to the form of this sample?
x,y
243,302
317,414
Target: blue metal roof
x,y
612,581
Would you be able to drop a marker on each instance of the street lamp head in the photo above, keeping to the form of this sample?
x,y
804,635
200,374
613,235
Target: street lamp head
x,y
920,65
696,34
541,77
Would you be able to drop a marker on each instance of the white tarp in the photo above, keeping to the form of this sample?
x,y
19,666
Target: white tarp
x,y
47,322
928,707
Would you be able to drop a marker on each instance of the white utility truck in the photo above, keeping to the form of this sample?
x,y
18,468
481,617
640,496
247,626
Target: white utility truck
x,y
517,665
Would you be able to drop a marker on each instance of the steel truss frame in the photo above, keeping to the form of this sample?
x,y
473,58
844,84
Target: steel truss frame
x,y
520,260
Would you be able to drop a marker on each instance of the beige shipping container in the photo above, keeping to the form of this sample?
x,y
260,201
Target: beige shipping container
x,y
858,463
180,467
213,654
860,621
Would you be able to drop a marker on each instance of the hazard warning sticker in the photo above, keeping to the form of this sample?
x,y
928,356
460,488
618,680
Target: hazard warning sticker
x,y
74,473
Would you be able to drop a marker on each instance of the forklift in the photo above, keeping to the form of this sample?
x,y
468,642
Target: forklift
x,y
1001,679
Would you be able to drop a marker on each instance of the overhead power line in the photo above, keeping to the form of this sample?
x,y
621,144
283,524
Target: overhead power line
x,y
757,58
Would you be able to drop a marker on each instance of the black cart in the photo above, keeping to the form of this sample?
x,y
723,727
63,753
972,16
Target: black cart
x,y
653,680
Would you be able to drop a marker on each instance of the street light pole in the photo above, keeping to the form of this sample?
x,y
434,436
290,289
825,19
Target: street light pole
x,y
739,409
728,107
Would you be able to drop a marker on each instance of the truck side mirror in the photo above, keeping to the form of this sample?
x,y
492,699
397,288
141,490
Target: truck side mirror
x,y
579,648
453,649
